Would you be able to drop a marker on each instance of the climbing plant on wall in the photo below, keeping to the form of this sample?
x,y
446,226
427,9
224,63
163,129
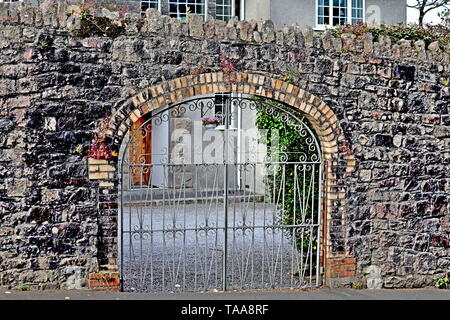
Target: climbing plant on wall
x,y
299,204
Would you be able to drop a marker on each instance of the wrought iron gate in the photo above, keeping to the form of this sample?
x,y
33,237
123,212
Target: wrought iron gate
x,y
232,205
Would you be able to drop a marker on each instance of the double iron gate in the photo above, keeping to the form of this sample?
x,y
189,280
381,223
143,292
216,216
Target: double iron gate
x,y
230,205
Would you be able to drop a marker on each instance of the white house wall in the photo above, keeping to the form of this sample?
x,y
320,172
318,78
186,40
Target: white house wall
x,y
303,12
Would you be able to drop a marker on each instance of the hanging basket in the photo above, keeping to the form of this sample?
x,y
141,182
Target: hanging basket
x,y
211,123
210,126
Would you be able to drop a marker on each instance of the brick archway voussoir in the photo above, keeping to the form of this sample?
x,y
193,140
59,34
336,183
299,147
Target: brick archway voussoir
x,y
152,98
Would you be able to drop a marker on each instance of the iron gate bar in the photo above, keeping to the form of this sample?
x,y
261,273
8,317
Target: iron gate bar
x,y
174,233
225,201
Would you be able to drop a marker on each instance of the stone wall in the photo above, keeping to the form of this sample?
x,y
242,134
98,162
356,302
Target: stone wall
x,y
388,220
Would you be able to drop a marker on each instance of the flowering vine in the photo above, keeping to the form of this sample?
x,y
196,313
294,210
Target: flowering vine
x,y
228,66
99,149
93,25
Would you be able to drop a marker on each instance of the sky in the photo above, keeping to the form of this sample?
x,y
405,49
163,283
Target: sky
x,y
431,17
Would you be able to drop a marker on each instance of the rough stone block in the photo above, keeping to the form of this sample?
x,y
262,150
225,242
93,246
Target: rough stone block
x,y
16,187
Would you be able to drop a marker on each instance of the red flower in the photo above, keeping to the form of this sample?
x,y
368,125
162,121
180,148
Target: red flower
x,y
99,149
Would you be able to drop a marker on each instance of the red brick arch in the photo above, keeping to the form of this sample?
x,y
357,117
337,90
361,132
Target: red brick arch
x,y
335,155
317,112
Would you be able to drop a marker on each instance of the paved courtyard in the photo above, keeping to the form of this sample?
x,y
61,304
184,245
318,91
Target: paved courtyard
x,y
182,247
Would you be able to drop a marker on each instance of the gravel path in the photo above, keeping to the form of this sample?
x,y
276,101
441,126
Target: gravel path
x,y
184,252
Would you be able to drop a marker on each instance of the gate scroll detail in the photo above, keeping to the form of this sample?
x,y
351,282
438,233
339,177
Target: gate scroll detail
x,y
227,196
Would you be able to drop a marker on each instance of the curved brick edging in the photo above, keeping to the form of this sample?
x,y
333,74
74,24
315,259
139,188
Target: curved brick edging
x,y
321,117
317,112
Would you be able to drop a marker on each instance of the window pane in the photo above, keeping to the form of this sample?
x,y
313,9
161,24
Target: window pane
x,y
339,12
145,4
181,8
357,11
323,12
224,10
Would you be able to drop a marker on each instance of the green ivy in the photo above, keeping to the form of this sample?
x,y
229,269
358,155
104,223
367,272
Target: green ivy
x,y
414,32
290,141
442,283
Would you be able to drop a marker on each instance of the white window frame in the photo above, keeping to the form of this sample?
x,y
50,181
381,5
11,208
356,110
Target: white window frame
x,y
349,13
330,24
233,9
205,13
159,5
